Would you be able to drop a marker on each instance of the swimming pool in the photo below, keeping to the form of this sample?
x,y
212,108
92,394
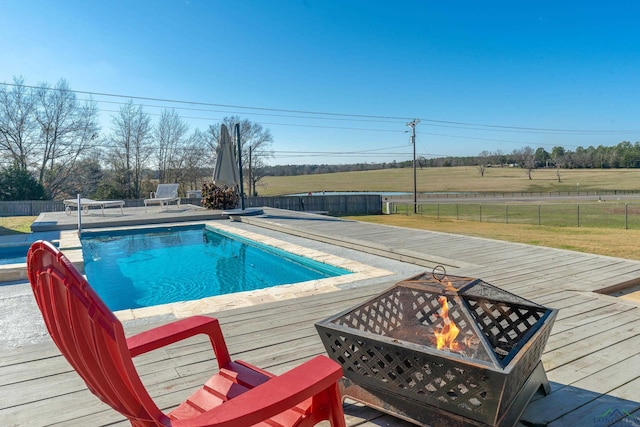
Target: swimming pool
x,y
13,254
142,268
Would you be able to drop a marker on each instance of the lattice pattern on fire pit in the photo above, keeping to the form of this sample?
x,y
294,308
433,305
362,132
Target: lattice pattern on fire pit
x,y
411,371
456,343
492,324
413,315
505,325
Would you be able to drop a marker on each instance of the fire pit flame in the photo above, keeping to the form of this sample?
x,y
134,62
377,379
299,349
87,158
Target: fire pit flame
x,y
445,338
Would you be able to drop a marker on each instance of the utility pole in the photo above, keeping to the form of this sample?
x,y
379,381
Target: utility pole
x,y
412,125
240,165
251,189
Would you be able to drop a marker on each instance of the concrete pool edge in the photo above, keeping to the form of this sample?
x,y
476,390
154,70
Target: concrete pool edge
x,y
14,271
17,271
71,245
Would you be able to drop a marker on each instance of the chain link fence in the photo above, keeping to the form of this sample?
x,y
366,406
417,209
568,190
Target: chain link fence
x,y
599,214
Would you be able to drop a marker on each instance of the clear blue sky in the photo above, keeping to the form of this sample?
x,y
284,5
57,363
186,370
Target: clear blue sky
x,y
491,75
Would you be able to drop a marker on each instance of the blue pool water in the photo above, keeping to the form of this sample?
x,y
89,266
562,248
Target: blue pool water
x,y
13,255
16,254
145,268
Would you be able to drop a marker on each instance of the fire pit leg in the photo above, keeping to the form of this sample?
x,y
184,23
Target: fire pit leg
x,y
536,381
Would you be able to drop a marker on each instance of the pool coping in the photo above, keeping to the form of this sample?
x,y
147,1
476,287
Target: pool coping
x,y
71,245
15,271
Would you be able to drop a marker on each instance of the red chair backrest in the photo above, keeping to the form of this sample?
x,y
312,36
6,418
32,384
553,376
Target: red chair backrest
x,y
88,334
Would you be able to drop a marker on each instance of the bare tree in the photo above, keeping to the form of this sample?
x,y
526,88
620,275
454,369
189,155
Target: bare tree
x,y
525,158
170,143
483,160
257,171
18,128
499,158
252,135
67,131
422,162
559,158
196,159
87,175
131,146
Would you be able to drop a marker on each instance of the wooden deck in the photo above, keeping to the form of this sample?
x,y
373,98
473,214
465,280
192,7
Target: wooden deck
x,y
592,358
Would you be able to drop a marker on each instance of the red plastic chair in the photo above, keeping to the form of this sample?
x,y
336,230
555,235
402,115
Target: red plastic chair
x,y
92,339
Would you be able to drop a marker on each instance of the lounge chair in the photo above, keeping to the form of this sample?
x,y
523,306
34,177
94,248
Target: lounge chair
x,y
92,339
164,194
85,204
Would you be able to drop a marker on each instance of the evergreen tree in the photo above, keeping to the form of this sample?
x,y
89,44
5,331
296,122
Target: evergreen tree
x,y
16,183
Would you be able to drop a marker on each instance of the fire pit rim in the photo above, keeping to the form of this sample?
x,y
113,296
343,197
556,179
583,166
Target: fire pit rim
x,y
499,365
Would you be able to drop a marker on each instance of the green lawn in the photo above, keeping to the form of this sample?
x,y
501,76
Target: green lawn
x,y
619,243
16,225
457,179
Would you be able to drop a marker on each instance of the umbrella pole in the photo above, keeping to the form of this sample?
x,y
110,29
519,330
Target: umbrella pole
x,y
240,166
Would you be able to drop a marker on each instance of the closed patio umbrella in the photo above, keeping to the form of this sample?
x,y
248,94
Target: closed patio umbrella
x,y
226,169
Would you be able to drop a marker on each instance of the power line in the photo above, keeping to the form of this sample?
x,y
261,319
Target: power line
x,y
491,139
207,107
445,123
540,131
360,156
176,101
208,110
278,124
550,130
343,152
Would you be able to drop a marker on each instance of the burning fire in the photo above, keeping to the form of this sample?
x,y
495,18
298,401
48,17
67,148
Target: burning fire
x,y
445,338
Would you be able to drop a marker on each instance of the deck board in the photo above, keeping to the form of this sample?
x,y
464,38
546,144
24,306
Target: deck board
x,y
593,362
592,358
585,331
567,354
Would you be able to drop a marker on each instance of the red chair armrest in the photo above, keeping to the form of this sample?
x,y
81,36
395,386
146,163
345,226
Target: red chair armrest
x,y
179,330
273,397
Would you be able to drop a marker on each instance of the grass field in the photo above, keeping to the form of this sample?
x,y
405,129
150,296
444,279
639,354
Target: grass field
x,y
458,179
601,241
617,214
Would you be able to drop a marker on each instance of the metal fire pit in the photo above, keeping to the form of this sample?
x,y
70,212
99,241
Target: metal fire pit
x,y
485,376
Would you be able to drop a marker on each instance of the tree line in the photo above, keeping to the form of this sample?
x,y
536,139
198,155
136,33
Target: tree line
x,y
623,155
293,170
52,146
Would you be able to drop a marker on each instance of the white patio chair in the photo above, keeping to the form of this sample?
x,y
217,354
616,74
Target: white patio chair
x,y
164,194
